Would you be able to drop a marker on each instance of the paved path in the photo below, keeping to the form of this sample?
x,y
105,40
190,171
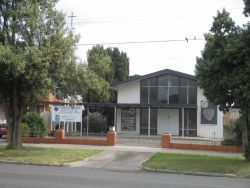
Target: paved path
x,y
115,160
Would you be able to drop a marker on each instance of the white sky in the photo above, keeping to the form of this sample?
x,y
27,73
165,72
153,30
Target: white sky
x,y
105,21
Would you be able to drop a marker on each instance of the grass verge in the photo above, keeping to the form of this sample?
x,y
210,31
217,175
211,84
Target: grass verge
x,y
45,155
199,163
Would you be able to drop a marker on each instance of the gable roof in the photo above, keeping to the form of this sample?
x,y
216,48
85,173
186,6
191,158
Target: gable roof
x,y
150,75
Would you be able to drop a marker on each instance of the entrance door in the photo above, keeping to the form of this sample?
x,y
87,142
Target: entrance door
x,y
168,121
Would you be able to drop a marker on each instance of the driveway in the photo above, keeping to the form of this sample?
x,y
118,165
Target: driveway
x,y
115,160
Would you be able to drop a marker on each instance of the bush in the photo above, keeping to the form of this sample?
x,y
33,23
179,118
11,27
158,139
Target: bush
x,y
238,132
36,124
237,140
97,123
228,142
25,129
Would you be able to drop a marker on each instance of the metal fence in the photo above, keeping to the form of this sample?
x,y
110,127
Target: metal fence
x,y
68,135
195,140
130,139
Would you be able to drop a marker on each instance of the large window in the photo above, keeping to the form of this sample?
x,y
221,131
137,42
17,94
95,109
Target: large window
x,y
144,121
190,122
128,119
163,89
144,95
192,93
168,89
149,90
163,95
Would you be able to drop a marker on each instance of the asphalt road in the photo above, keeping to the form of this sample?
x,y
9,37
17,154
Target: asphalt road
x,y
25,176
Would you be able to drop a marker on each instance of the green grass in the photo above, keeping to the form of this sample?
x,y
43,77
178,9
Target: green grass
x,y
199,163
45,155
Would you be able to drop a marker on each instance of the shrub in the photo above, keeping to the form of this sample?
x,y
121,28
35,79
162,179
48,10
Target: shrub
x,y
237,140
97,123
36,124
25,129
238,132
228,142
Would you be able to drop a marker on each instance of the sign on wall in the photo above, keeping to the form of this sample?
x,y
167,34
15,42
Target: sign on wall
x,y
208,113
67,113
128,119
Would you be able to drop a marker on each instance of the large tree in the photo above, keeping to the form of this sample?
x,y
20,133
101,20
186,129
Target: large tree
x,y
120,64
35,50
90,86
223,71
99,62
111,65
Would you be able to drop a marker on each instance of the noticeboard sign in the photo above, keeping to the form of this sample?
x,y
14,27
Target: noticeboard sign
x,y
67,113
208,113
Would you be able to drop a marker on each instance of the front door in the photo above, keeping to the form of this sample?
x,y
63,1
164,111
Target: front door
x,y
168,121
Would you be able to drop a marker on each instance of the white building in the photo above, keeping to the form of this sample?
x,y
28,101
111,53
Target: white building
x,y
166,101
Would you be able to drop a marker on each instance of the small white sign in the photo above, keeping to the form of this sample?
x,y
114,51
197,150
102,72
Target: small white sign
x,y
67,113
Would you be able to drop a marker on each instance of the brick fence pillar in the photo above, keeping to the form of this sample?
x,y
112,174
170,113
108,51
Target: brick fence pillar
x,y
166,140
59,135
111,138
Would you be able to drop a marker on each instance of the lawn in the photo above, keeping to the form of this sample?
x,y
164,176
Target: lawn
x,y
45,155
199,163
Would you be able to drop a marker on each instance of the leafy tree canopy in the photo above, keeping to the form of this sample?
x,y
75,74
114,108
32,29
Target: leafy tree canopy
x,y
223,71
120,64
99,62
35,51
90,85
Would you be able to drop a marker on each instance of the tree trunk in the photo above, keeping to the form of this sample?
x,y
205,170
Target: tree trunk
x,y
14,115
245,135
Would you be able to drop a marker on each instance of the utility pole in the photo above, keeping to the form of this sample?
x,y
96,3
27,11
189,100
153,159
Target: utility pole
x,y
71,20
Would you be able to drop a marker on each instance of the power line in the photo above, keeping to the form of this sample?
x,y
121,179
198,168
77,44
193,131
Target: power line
x,y
122,19
71,20
142,42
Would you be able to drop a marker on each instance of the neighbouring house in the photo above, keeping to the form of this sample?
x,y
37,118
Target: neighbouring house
x,y
166,101
44,108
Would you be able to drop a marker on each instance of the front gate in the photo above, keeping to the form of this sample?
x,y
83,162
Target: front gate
x,y
128,139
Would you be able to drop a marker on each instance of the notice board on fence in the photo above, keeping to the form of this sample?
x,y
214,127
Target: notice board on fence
x,y
128,119
67,113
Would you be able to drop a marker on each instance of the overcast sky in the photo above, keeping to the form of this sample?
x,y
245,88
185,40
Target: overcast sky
x,y
112,21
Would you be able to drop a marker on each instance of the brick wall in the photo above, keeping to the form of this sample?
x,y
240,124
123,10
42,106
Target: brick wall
x,y
166,143
60,139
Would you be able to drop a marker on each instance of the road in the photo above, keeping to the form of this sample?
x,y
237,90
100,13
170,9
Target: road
x,y
25,176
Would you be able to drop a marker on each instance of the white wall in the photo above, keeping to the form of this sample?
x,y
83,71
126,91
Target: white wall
x,y
205,130
118,122
168,121
129,93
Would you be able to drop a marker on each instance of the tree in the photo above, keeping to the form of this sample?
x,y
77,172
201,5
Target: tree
x,y
35,50
247,7
120,64
91,86
99,62
223,71
111,65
